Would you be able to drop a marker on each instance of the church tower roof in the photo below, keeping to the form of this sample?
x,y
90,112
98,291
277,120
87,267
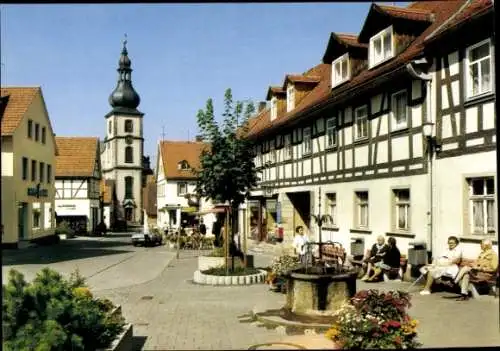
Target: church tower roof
x,y
124,99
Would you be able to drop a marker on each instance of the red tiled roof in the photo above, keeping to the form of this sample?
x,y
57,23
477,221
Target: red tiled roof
x,y
322,95
302,79
343,40
77,156
262,121
273,90
20,99
173,152
413,14
469,10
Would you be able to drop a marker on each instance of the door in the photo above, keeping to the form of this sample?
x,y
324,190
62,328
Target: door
x,y
129,214
95,218
21,220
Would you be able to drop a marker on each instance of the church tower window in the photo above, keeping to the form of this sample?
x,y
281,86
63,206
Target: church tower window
x,y
129,126
129,154
129,187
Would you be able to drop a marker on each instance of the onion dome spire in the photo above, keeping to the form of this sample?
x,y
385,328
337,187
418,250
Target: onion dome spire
x,y
124,96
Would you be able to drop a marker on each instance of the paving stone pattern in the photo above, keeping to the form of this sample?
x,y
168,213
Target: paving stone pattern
x,y
182,315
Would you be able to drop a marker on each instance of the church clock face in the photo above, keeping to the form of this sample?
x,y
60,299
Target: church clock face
x,y
128,139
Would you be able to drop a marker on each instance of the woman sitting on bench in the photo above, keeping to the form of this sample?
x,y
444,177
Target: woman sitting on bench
x,y
391,260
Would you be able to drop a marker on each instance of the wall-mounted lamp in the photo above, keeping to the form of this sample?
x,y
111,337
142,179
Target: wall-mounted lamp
x,y
433,144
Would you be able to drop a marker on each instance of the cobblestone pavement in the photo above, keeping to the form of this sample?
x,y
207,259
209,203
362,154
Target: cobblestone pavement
x,y
106,262
173,313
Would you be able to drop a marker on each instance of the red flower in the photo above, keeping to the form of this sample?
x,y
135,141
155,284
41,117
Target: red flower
x,y
394,324
397,340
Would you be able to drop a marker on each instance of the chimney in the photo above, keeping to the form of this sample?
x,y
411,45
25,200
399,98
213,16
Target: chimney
x,y
199,138
262,106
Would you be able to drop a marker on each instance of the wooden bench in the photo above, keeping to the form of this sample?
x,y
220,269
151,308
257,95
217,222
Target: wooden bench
x,y
333,253
492,283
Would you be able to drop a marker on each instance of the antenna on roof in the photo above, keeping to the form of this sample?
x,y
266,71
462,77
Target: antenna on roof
x,y
188,136
162,133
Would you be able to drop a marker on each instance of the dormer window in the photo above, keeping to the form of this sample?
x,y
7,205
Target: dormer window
x,y
183,165
340,70
290,98
381,47
274,108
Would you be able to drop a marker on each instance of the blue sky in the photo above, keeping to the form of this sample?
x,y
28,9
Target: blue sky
x,y
182,54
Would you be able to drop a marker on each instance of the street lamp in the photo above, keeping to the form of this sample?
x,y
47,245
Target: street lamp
x,y
432,143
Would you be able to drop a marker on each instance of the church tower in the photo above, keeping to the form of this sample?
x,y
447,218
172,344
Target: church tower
x,y
123,147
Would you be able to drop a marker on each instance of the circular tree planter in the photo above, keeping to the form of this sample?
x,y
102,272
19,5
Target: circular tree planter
x,y
208,279
207,262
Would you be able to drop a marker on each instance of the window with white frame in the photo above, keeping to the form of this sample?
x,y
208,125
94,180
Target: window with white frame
x,y
361,209
290,98
479,69
401,209
306,138
482,207
399,110
181,188
274,108
340,70
331,132
288,147
331,205
381,47
361,119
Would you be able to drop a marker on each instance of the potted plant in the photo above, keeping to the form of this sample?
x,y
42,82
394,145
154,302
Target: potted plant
x,y
375,320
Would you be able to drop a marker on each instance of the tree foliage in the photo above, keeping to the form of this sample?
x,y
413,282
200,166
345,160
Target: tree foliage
x,y
227,171
51,313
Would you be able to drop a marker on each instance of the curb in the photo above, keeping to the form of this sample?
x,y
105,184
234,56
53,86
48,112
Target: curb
x,y
206,279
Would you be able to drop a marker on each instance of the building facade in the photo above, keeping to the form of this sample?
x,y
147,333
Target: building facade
x,y
177,203
28,162
122,152
393,134
77,179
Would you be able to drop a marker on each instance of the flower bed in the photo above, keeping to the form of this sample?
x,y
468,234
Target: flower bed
x,y
375,320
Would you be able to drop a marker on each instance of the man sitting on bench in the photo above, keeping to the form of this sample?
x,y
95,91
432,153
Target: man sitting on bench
x,y
483,269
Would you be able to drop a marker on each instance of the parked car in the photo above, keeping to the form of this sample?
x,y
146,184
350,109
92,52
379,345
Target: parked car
x,y
149,239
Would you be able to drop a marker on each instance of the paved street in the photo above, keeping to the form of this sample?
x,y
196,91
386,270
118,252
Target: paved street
x,y
108,263
169,312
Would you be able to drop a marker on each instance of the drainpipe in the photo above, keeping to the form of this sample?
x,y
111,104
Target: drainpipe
x,y
419,69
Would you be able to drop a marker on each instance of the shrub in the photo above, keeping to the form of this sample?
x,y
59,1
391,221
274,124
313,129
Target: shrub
x,y
237,271
64,228
217,252
284,263
51,313
375,320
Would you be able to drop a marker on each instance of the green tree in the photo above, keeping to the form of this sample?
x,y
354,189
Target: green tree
x,y
227,171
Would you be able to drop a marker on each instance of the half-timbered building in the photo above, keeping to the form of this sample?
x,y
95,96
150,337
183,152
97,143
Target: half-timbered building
x,y
392,134
78,175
